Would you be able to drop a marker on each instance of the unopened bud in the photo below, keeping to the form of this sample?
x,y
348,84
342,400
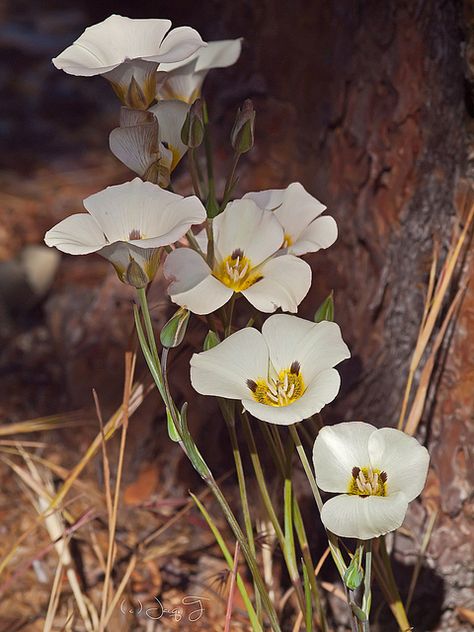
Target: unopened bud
x,y
210,341
354,572
136,276
242,134
174,331
192,132
326,310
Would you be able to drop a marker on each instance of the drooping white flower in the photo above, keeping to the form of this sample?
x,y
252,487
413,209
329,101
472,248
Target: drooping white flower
x,y
183,79
128,224
246,239
376,474
128,52
299,214
149,142
282,375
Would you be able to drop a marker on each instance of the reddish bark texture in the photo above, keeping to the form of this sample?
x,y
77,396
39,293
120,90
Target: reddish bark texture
x,y
364,103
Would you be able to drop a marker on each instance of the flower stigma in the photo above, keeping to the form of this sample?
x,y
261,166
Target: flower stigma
x,y
368,481
282,390
235,271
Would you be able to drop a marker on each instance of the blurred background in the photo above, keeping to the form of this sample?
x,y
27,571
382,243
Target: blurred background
x,y
369,104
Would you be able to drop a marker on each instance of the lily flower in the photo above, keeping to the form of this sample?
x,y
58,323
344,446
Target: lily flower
x,y
246,240
149,142
299,214
183,79
282,375
128,52
128,224
376,473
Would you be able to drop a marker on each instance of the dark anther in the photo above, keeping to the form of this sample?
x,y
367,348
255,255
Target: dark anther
x,y
355,471
135,234
237,253
295,367
383,477
252,385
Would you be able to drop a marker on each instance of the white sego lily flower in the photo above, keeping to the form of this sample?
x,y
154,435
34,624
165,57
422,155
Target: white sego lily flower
x,y
282,375
128,52
149,142
299,214
128,224
245,242
376,472
183,80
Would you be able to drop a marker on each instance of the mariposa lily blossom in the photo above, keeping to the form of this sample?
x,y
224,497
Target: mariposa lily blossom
x,y
128,224
128,52
282,375
184,79
149,141
376,473
245,240
299,214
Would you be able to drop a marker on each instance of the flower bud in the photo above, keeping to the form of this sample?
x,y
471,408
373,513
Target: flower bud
x,y
210,341
136,276
242,134
192,132
354,573
326,310
174,330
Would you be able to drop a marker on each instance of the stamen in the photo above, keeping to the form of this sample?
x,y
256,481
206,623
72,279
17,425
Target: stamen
x,y
367,481
280,390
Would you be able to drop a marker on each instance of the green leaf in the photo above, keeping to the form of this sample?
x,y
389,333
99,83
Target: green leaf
x,y
210,341
326,310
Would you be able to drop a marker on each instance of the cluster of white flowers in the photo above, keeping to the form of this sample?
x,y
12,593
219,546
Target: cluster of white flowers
x,y
285,373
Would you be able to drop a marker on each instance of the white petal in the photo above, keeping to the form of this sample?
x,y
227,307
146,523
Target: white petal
x,y
246,227
337,450
179,44
219,54
364,518
182,84
105,45
286,281
403,458
321,233
144,73
78,234
136,147
321,392
316,346
161,217
294,207
171,116
225,369
120,254
192,284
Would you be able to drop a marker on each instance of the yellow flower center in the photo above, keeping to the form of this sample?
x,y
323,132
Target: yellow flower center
x,y
367,481
283,390
235,271
287,241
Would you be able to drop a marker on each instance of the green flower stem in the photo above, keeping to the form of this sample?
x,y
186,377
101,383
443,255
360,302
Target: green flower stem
x,y
211,202
194,244
367,598
142,299
289,558
230,421
332,539
194,456
229,185
210,243
308,562
254,620
194,171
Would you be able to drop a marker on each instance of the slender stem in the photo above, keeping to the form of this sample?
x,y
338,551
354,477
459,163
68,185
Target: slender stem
x,y
243,492
210,243
193,171
142,299
229,185
230,313
211,202
194,244
367,598
292,568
